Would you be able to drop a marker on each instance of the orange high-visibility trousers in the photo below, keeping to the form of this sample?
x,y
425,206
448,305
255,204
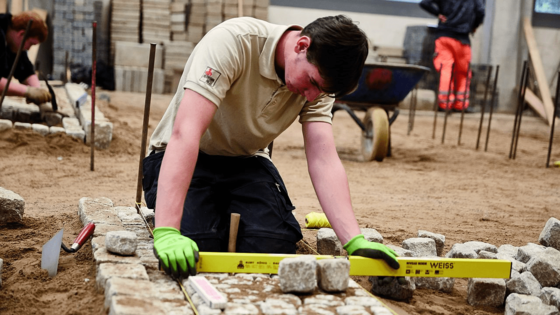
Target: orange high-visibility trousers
x,y
451,53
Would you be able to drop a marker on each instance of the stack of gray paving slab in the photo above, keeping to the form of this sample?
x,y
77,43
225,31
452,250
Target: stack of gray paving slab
x,y
156,22
125,22
133,284
72,33
131,69
178,16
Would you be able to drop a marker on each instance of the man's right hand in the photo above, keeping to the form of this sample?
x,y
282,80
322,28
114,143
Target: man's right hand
x,y
37,95
177,254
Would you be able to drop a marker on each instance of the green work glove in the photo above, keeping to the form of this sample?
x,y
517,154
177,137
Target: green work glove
x,y
177,254
358,246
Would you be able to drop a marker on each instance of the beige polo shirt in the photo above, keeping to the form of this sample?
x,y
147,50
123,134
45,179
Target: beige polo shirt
x,y
233,67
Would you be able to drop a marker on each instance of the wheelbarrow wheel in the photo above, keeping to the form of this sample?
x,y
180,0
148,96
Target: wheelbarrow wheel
x,y
375,140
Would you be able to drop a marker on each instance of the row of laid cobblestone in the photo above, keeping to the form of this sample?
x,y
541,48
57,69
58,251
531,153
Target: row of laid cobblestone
x,y
534,285
132,283
75,116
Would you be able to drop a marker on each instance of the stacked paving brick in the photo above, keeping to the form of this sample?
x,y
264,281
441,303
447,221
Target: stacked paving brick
x,y
156,21
72,33
178,15
132,283
125,22
131,69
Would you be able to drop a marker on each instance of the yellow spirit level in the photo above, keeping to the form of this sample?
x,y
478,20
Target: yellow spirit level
x,y
360,266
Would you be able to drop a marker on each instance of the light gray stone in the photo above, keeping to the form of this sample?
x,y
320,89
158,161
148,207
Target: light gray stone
x,y
40,129
167,289
103,133
5,124
421,246
289,298
324,299
127,287
518,304
486,292
439,283
393,290
550,235
362,300
71,123
438,238
121,242
76,133
545,266
550,296
351,310
380,310
298,274
479,246
487,255
401,252
328,243
128,271
12,206
128,305
22,126
460,250
372,235
240,309
525,253
524,283
205,310
515,264
88,208
509,250
277,307
55,129
333,274
315,309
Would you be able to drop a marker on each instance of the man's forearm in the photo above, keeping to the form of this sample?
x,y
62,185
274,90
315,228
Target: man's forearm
x,y
15,88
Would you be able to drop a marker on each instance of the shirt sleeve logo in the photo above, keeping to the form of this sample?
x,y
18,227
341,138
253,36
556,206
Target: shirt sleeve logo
x,y
210,76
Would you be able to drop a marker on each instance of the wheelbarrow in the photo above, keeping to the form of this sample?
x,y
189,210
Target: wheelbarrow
x,y
380,89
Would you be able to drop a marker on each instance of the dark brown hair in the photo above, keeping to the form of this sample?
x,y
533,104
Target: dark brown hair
x,y
38,28
339,49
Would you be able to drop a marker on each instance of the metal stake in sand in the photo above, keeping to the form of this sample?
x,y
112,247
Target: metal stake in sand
x,y
20,49
93,74
412,109
553,120
145,134
491,107
464,103
521,84
436,103
447,105
521,108
483,107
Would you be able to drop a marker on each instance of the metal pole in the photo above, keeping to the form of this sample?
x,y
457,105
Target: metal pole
x,y
553,120
20,49
436,103
521,108
521,83
491,107
410,113
93,74
65,75
483,107
415,98
447,105
463,109
145,133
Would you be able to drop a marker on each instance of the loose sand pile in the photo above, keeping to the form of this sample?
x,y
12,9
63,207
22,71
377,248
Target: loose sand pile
x,y
452,190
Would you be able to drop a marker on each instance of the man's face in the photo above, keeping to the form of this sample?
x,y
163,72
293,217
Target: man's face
x,y
301,76
18,37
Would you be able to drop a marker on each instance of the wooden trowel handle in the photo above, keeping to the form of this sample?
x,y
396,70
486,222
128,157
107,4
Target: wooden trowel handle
x,y
233,227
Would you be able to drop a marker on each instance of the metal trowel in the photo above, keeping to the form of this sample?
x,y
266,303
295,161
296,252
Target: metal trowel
x,y
51,250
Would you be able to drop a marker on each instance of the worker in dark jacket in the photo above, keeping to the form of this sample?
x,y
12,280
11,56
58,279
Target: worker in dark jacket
x,y
457,19
12,30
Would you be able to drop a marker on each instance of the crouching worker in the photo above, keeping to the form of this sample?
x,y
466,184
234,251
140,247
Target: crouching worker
x,y
243,85
12,30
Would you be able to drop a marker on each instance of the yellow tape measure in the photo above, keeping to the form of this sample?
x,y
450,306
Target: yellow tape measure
x,y
360,266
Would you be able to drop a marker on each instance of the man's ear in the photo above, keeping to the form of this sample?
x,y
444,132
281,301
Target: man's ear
x,y
302,44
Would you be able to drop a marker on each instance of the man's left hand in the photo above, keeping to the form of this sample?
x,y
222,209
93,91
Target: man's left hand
x,y
37,95
358,246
